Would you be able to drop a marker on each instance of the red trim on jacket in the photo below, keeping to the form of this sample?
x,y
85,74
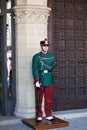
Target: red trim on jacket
x,y
36,79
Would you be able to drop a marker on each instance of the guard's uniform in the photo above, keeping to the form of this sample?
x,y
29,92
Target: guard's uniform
x,y
42,66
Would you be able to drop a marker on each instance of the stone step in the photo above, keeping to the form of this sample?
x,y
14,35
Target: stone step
x,y
68,114
9,120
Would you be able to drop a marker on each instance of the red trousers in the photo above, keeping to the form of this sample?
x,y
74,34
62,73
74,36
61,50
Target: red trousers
x,y
47,92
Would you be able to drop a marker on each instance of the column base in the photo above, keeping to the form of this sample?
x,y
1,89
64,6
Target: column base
x,y
24,115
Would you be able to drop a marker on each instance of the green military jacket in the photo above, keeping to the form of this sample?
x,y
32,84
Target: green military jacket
x,y
42,66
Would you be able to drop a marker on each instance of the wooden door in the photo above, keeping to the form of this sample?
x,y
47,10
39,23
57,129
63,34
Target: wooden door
x,y
69,40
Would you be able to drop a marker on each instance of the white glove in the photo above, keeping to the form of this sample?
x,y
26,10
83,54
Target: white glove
x,y
37,84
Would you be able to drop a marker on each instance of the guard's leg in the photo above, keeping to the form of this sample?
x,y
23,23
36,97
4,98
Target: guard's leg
x,y
48,94
39,113
37,92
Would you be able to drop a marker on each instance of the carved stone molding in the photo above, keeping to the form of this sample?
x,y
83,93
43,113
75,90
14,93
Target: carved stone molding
x,y
31,14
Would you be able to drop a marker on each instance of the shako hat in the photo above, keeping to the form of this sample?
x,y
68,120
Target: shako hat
x,y
44,42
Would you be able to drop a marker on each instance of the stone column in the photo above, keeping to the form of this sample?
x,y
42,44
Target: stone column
x,y
31,26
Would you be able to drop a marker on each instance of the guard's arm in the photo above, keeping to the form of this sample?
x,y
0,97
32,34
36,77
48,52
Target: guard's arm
x,y
35,70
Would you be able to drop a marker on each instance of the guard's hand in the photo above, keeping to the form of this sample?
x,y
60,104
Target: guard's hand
x,y
37,84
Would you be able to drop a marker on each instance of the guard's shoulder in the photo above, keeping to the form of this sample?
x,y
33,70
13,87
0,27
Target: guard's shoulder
x,y
51,54
36,55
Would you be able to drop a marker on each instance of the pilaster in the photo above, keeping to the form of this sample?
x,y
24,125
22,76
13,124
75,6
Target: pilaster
x,y
31,14
31,27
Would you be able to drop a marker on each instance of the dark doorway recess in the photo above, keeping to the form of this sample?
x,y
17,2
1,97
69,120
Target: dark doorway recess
x,y
7,58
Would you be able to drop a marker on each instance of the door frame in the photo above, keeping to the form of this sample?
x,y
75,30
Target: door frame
x,y
5,101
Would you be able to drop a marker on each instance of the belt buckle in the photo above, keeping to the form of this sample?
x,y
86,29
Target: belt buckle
x,y
45,71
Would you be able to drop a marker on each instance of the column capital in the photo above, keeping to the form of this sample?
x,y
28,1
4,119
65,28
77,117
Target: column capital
x,y
31,14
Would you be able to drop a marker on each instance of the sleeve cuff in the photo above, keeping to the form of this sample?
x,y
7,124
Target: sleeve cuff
x,y
36,79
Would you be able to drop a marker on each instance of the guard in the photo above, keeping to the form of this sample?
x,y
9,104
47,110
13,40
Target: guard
x,y
42,67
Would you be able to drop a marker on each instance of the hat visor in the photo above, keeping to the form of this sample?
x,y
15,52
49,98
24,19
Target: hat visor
x,y
45,45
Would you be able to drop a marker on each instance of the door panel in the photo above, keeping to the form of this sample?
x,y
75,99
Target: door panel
x,y
7,59
0,70
69,22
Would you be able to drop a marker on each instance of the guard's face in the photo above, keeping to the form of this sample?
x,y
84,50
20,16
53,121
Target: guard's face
x,y
45,48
